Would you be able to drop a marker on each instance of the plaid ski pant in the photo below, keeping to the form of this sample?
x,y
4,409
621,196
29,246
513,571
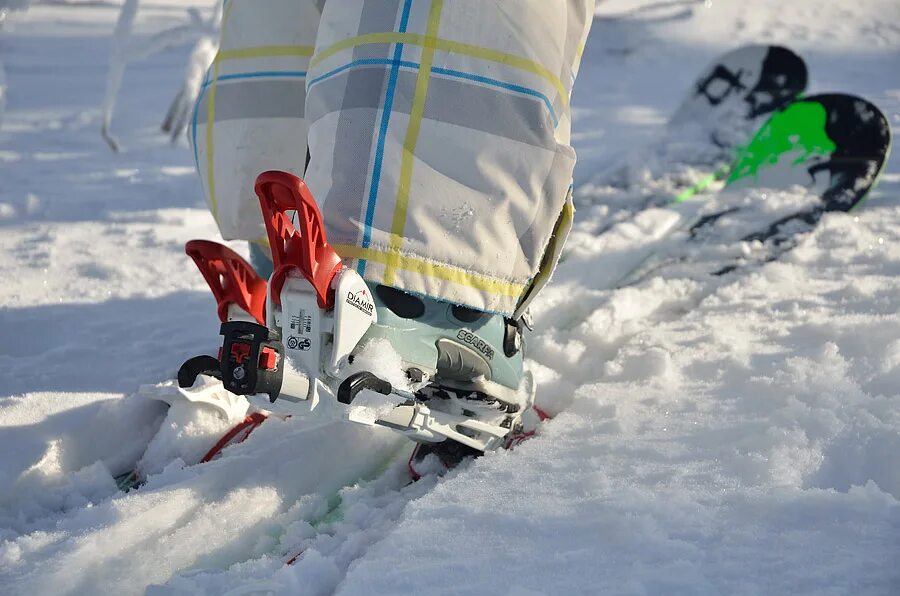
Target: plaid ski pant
x,y
437,131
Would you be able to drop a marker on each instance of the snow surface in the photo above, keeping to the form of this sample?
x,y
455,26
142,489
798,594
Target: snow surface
x,y
737,434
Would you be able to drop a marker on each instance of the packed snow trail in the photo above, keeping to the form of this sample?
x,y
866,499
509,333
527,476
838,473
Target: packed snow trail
x,y
735,435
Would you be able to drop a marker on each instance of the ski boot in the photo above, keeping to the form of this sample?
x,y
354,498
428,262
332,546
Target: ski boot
x,y
467,368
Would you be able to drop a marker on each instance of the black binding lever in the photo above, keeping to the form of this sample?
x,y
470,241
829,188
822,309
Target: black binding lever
x,y
355,383
198,365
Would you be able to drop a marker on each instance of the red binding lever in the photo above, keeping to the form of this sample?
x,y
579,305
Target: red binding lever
x,y
305,248
231,279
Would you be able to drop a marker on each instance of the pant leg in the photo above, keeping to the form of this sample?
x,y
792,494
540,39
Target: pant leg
x,y
250,114
440,141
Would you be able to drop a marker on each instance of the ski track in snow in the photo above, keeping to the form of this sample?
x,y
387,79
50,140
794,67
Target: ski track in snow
x,y
728,435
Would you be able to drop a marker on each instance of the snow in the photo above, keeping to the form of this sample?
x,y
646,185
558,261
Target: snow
x,y
735,434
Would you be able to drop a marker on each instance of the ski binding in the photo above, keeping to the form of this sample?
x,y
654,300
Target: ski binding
x,y
292,336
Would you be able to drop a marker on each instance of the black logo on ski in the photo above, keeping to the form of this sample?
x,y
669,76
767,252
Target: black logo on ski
x,y
731,79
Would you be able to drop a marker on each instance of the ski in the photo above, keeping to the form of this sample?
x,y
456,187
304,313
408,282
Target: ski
x,y
725,105
816,155
832,147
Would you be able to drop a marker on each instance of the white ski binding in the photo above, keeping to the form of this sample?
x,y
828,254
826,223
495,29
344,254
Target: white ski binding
x,y
286,338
